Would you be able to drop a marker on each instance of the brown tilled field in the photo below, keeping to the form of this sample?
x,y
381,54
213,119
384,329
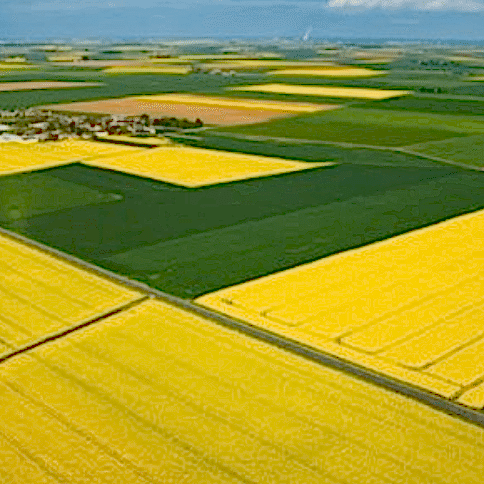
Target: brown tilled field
x,y
212,115
28,86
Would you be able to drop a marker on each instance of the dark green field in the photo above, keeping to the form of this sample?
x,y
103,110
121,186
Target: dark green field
x,y
326,127
430,105
191,241
306,151
468,150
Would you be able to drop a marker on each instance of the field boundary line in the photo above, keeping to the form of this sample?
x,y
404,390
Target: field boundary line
x,y
349,145
71,329
430,399
46,166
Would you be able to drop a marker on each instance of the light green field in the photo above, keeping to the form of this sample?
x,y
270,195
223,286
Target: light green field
x,y
459,124
469,150
40,193
372,127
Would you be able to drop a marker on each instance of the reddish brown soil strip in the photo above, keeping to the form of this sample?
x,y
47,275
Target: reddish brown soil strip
x,y
214,115
105,63
28,86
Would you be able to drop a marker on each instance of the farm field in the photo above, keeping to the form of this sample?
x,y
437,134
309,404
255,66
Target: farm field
x,y
437,105
309,151
410,307
299,274
145,141
328,72
369,127
7,68
353,127
292,107
42,295
322,91
97,394
240,230
196,167
25,197
113,86
211,114
263,64
28,86
18,157
468,150
222,257
177,70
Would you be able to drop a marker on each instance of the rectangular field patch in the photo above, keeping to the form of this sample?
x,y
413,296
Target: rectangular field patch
x,y
211,110
174,70
468,150
329,72
197,167
291,107
19,157
33,85
409,307
41,295
153,395
324,91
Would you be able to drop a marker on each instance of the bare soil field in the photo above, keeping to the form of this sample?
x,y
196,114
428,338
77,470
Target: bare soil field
x,y
212,115
29,86
105,63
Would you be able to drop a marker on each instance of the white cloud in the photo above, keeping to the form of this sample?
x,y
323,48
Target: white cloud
x,y
428,5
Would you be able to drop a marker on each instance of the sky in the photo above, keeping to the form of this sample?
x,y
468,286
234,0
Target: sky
x,y
327,19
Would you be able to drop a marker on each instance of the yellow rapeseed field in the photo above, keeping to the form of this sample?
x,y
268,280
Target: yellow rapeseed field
x,y
234,103
345,72
411,307
10,66
263,64
41,295
202,57
374,60
158,395
18,157
150,140
351,92
194,167
178,70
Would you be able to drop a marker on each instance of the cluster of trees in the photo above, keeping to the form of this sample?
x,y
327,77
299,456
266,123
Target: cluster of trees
x,y
175,123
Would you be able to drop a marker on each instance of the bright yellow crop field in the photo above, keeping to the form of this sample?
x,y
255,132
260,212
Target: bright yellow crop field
x,y
263,64
18,157
349,72
351,92
374,60
40,295
158,395
178,70
411,307
169,60
10,66
234,103
195,167
150,140
202,57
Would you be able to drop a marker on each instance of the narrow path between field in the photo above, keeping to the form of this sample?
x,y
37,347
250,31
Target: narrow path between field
x,y
65,331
